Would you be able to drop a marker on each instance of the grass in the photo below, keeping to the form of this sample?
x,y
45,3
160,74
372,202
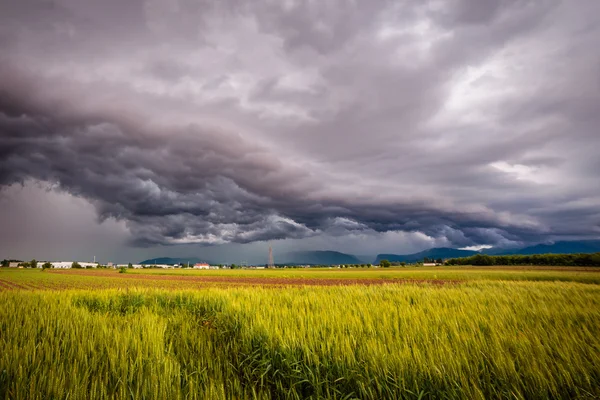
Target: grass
x,y
191,279
528,273
478,339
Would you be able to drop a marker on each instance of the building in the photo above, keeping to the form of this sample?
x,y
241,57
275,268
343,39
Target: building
x,y
13,264
136,266
430,264
61,264
201,266
68,264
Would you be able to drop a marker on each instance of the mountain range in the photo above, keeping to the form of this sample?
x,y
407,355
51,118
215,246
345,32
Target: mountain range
x,y
336,258
564,247
320,258
435,253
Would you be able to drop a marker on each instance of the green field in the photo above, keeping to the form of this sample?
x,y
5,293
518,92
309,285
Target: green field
x,y
518,333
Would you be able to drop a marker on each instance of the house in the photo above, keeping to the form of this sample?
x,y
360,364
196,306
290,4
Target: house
x,y
430,264
13,264
201,266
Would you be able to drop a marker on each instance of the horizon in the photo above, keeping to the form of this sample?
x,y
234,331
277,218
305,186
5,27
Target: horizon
x,y
288,257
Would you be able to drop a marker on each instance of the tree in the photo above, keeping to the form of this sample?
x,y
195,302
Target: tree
x,y
233,266
46,265
384,263
33,263
76,265
403,264
130,265
482,259
439,261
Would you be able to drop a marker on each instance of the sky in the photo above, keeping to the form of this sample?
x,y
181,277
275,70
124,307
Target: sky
x,y
146,128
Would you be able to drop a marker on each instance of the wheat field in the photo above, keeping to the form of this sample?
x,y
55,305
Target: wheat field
x,y
472,340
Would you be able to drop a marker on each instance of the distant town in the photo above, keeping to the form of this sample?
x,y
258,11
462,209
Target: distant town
x,y
86,265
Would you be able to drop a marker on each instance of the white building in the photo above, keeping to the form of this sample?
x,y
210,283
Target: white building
x,y
68,264
61,264
136,266
201,266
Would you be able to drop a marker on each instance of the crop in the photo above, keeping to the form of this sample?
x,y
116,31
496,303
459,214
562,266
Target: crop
x,y
478,339
193,279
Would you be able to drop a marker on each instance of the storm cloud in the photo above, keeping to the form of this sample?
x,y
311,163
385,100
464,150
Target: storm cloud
x,y
470,122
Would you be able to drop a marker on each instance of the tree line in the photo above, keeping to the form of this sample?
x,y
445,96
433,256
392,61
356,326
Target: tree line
x,y
568,260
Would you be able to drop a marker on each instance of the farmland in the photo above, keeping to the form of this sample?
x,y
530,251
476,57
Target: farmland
x,y
409,333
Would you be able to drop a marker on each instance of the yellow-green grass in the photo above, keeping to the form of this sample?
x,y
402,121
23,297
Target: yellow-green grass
x,y
191,279
479,339
541,273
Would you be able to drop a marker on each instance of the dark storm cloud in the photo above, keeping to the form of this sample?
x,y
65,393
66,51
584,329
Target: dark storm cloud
x,y
474,122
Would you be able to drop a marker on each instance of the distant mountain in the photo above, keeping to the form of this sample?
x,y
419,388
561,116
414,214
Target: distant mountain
x,y
564,247
365,258
320,258
172,261
435,253
337,258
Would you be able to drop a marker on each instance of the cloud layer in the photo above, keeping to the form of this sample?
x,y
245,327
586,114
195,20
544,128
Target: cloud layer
x,y
470,122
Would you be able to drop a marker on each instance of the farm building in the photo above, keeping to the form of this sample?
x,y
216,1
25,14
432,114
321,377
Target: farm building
x,y
201,266
13,265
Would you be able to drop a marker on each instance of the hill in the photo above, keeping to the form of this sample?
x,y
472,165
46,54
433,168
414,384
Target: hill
x,y
320,258
563,247
435,253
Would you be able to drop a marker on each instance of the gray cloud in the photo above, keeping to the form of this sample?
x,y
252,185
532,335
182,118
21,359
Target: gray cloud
x,y
468,122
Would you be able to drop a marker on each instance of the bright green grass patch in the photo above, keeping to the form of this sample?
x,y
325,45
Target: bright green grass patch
x,y
475,340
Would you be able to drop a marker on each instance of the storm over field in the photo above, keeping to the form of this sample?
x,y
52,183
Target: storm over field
x,y
353,125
